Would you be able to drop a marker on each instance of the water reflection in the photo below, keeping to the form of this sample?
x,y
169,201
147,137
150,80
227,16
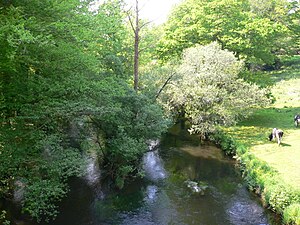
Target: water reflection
x,y
153,166
151,192
163,198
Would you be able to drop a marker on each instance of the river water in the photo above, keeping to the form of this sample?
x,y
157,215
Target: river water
x,y
163,197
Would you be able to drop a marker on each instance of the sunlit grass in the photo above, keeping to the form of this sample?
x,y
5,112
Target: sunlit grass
x,y
254,131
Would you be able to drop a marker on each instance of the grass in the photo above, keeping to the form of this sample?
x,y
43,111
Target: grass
x,y
253,132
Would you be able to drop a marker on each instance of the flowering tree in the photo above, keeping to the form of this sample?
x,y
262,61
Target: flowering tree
x,y
209,92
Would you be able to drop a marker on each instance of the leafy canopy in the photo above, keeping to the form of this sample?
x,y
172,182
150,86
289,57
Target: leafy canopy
x,y
236,25
60,63
208,90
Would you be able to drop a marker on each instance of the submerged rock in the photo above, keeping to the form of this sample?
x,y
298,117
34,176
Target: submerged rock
x,y
153,144
196,187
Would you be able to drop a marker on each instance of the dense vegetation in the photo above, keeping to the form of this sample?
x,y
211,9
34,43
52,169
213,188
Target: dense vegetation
x,y
271,170
253,30
62,65
66,84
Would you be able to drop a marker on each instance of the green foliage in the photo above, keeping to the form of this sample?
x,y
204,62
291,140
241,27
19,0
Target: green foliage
x,y
59,61
291,214
226,143
257,173
273,171
40,198
156,77
265,181
3,219
280,196
110,39
58,162
239,26
208,90
18,155
127,126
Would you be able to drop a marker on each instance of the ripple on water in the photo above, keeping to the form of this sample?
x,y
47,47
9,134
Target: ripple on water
x,y
243,211
151,193
137,218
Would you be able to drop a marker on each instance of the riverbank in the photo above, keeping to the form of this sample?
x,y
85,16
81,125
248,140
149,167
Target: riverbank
x,y
272,171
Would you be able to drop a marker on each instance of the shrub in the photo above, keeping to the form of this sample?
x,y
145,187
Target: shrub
x,y
41,198
3,218
125,153
291,214
280,196
225,142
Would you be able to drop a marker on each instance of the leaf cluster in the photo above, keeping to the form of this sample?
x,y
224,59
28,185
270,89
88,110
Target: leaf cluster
x,y
127,125
255,31
208,90
60,61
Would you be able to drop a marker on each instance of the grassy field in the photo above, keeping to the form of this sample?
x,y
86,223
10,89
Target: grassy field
x,y
285,86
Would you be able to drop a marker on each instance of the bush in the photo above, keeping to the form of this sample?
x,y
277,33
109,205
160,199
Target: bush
x,y
225,142
41,198
263,179
44,190
3,219
291,214
280,196
124,156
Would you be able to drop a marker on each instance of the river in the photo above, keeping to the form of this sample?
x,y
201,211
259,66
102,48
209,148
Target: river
x,y
165,195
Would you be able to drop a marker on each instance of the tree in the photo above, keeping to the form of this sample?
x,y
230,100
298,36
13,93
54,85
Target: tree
x,y
208,91
233,24
61,62
136,26
50,74
136,46
128,125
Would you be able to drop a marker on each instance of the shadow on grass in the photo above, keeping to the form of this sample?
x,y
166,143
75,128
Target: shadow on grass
x,y
289,70
285,145
282,118
256,129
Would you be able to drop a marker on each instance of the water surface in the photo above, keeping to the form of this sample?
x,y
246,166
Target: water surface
x,y
162,197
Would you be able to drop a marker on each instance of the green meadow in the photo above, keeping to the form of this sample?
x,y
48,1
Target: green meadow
x,y
272,170
253,132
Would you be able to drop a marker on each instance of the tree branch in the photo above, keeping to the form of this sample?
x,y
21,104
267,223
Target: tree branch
x,y
131,23
146,23
165,84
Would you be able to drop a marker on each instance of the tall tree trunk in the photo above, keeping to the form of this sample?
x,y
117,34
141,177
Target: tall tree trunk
x,y
136,47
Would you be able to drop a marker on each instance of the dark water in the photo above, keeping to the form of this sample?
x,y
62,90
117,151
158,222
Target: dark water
x,y
163,198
